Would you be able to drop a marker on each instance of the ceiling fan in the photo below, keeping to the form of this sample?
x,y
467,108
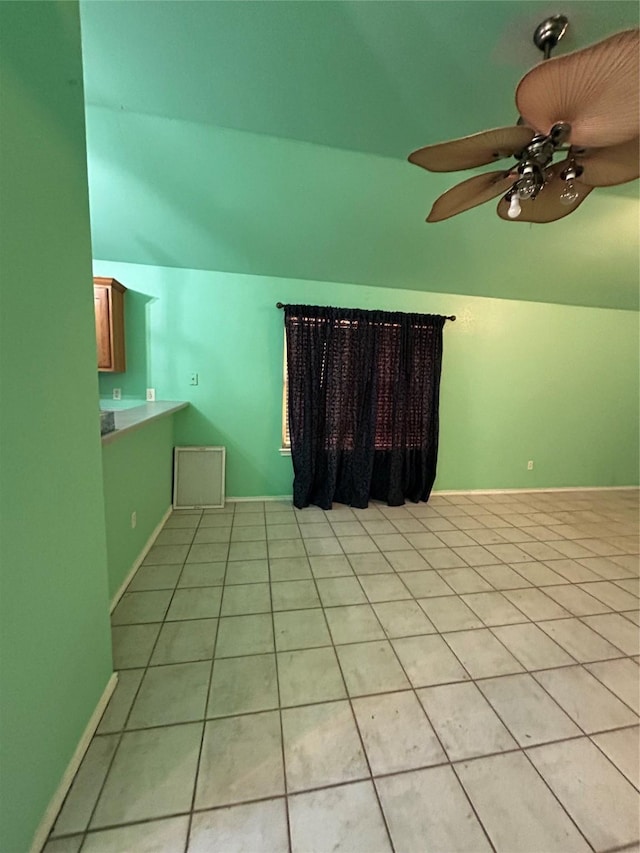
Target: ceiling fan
x,y
583,106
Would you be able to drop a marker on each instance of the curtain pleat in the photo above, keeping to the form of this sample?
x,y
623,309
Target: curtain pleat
x,y
363,404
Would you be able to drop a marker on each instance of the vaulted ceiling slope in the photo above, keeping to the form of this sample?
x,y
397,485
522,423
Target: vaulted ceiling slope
x,y
271,138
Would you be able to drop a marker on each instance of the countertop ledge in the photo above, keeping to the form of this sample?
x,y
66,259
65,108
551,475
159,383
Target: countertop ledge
x,y
128,420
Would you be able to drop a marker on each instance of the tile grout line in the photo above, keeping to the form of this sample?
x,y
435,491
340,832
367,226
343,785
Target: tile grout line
x,y
380,693
497,563
523,750
414,691
520,748
206,701
484,627
631,847
354,717
581,664
566,614
370,603
564,808
411,596
547,785
634,783
447,763
595,630
124,725
285,781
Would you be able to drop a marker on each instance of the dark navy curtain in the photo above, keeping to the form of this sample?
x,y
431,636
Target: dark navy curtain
x,y
364,389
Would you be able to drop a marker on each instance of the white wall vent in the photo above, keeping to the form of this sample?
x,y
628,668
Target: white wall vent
x,y
198,477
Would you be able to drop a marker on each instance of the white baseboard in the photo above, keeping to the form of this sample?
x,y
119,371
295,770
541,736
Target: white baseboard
x,y
445,492
46,824
136,565
260,498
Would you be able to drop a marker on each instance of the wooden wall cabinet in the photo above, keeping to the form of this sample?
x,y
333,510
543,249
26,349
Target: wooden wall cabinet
x,y
108,300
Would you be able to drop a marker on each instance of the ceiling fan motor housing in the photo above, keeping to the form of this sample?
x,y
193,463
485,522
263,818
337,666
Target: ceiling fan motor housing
x,y
540,150
535,159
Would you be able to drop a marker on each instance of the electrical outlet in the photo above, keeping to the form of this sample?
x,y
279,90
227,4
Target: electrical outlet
x,y
530,465
117,393
193,379
151,395
134,519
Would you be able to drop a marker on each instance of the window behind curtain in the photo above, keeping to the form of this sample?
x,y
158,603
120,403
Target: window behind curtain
x,y
363,389
387,354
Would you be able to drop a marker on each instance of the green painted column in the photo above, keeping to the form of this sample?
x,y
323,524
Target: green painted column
x,y
55,656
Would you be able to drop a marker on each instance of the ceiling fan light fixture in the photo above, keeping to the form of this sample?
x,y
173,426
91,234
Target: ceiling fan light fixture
x,y
529,184
573,171
547,206
586,103
514,206
569,194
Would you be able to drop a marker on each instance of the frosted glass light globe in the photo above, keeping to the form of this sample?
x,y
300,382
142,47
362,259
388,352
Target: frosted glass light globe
x,y
569,195
514,207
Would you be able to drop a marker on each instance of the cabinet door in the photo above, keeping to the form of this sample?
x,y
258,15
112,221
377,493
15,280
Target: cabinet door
x,y
102,307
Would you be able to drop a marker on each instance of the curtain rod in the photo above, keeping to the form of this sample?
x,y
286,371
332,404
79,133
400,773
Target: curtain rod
x,y
452,317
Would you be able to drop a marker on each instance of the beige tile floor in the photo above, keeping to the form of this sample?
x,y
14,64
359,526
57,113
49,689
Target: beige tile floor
x,y
460,675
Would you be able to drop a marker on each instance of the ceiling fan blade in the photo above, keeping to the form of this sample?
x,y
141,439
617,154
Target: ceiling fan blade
x,y
470,151
595,90
606,167
547,207
470,194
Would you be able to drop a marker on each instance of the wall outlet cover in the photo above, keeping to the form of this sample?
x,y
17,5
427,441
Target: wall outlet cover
x,y
117,393
151,395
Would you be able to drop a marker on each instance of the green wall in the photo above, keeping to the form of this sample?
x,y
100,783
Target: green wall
x,y
137,470
55,640
258,205
521,380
